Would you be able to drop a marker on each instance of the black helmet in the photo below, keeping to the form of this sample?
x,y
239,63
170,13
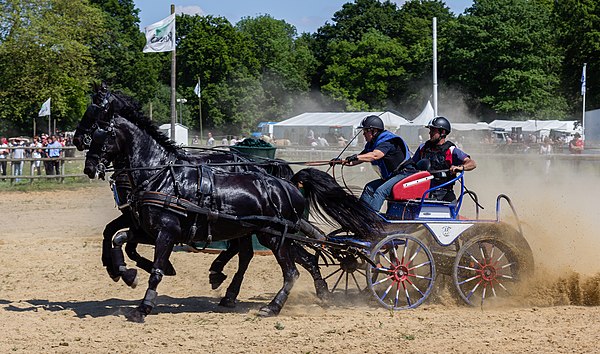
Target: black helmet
x,y
440,123
371,122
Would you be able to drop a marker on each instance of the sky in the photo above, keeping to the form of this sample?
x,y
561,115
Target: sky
x,y
305,15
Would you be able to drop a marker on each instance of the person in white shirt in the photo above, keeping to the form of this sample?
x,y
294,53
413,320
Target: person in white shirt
x,y
18,154
211,141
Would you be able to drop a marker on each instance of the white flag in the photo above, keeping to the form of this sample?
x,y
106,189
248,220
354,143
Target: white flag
x,y
45,110
197,90
583,81
160,36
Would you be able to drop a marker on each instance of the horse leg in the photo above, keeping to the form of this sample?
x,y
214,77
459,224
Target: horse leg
x,y
162,252
290,274
310,262
245,254
140,261
129,275
110,230
307,260
216,276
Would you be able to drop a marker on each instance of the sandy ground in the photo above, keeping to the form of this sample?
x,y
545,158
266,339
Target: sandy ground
x,y
56,297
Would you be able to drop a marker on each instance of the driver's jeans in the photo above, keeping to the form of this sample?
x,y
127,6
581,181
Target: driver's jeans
x,y
377,191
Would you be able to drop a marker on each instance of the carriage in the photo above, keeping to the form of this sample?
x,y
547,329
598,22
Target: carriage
x,y
178,198
485,258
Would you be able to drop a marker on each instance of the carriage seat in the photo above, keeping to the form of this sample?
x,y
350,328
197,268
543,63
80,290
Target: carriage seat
x,y
412,187
404,203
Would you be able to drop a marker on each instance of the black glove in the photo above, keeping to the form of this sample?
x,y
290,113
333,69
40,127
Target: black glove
x,y
335,161
352,158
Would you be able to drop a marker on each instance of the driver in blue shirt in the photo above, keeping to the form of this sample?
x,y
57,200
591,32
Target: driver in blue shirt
x,y
389,155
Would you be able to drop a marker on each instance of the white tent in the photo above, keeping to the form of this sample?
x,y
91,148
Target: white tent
x,y
414,132
329,125
533,126
471,126
353,119
425,116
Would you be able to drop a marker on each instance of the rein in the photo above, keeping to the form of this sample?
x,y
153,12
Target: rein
x,y
217,164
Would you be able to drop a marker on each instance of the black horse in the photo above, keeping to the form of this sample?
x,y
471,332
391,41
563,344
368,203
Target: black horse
x,y
112,255
175,200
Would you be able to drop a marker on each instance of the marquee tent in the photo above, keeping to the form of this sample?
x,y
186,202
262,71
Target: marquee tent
x,y
536,126
329,125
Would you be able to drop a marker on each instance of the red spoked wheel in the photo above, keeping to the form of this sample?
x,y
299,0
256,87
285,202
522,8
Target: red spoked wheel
x,y
404,273
487,269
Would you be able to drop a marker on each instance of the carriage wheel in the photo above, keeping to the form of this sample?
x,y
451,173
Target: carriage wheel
x,y
405,272
344,273
488,268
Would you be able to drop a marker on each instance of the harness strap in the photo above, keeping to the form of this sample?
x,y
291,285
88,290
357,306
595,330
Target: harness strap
x,y
183,206
175,182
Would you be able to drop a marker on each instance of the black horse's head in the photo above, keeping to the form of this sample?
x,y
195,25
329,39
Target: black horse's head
x,y
104,147
101,100
94,131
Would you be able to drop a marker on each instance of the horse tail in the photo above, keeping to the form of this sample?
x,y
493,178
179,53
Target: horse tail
x,y
328,200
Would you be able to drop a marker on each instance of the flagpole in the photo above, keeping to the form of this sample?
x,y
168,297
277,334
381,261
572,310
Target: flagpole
x,y
200,107
49,124
583,92
173,90
435,83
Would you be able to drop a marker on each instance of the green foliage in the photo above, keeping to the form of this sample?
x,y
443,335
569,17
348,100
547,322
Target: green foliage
x,y
117,50
509,58
577,23
504,54
44,54
284,64
364,73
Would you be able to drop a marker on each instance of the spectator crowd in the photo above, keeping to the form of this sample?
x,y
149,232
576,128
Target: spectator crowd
x,y
45,150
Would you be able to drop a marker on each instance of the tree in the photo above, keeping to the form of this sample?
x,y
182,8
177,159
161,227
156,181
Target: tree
x,y
284,63
416,34
363,74
44,53
578,26
212,49
503,53
407,69
117,51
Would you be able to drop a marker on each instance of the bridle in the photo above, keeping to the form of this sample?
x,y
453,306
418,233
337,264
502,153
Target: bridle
x,y
101,100
100,132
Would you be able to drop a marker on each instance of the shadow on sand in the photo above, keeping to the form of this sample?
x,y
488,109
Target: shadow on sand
x,y
118,307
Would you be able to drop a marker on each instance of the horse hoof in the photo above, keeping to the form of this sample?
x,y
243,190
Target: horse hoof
x,y
322,290
169,269
227,302
112,275
216,279
267,312
135,315
130,277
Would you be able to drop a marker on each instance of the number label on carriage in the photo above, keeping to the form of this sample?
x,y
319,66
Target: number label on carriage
x,y
447,233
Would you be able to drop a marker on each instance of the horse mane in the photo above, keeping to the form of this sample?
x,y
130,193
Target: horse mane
x,y
129,108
